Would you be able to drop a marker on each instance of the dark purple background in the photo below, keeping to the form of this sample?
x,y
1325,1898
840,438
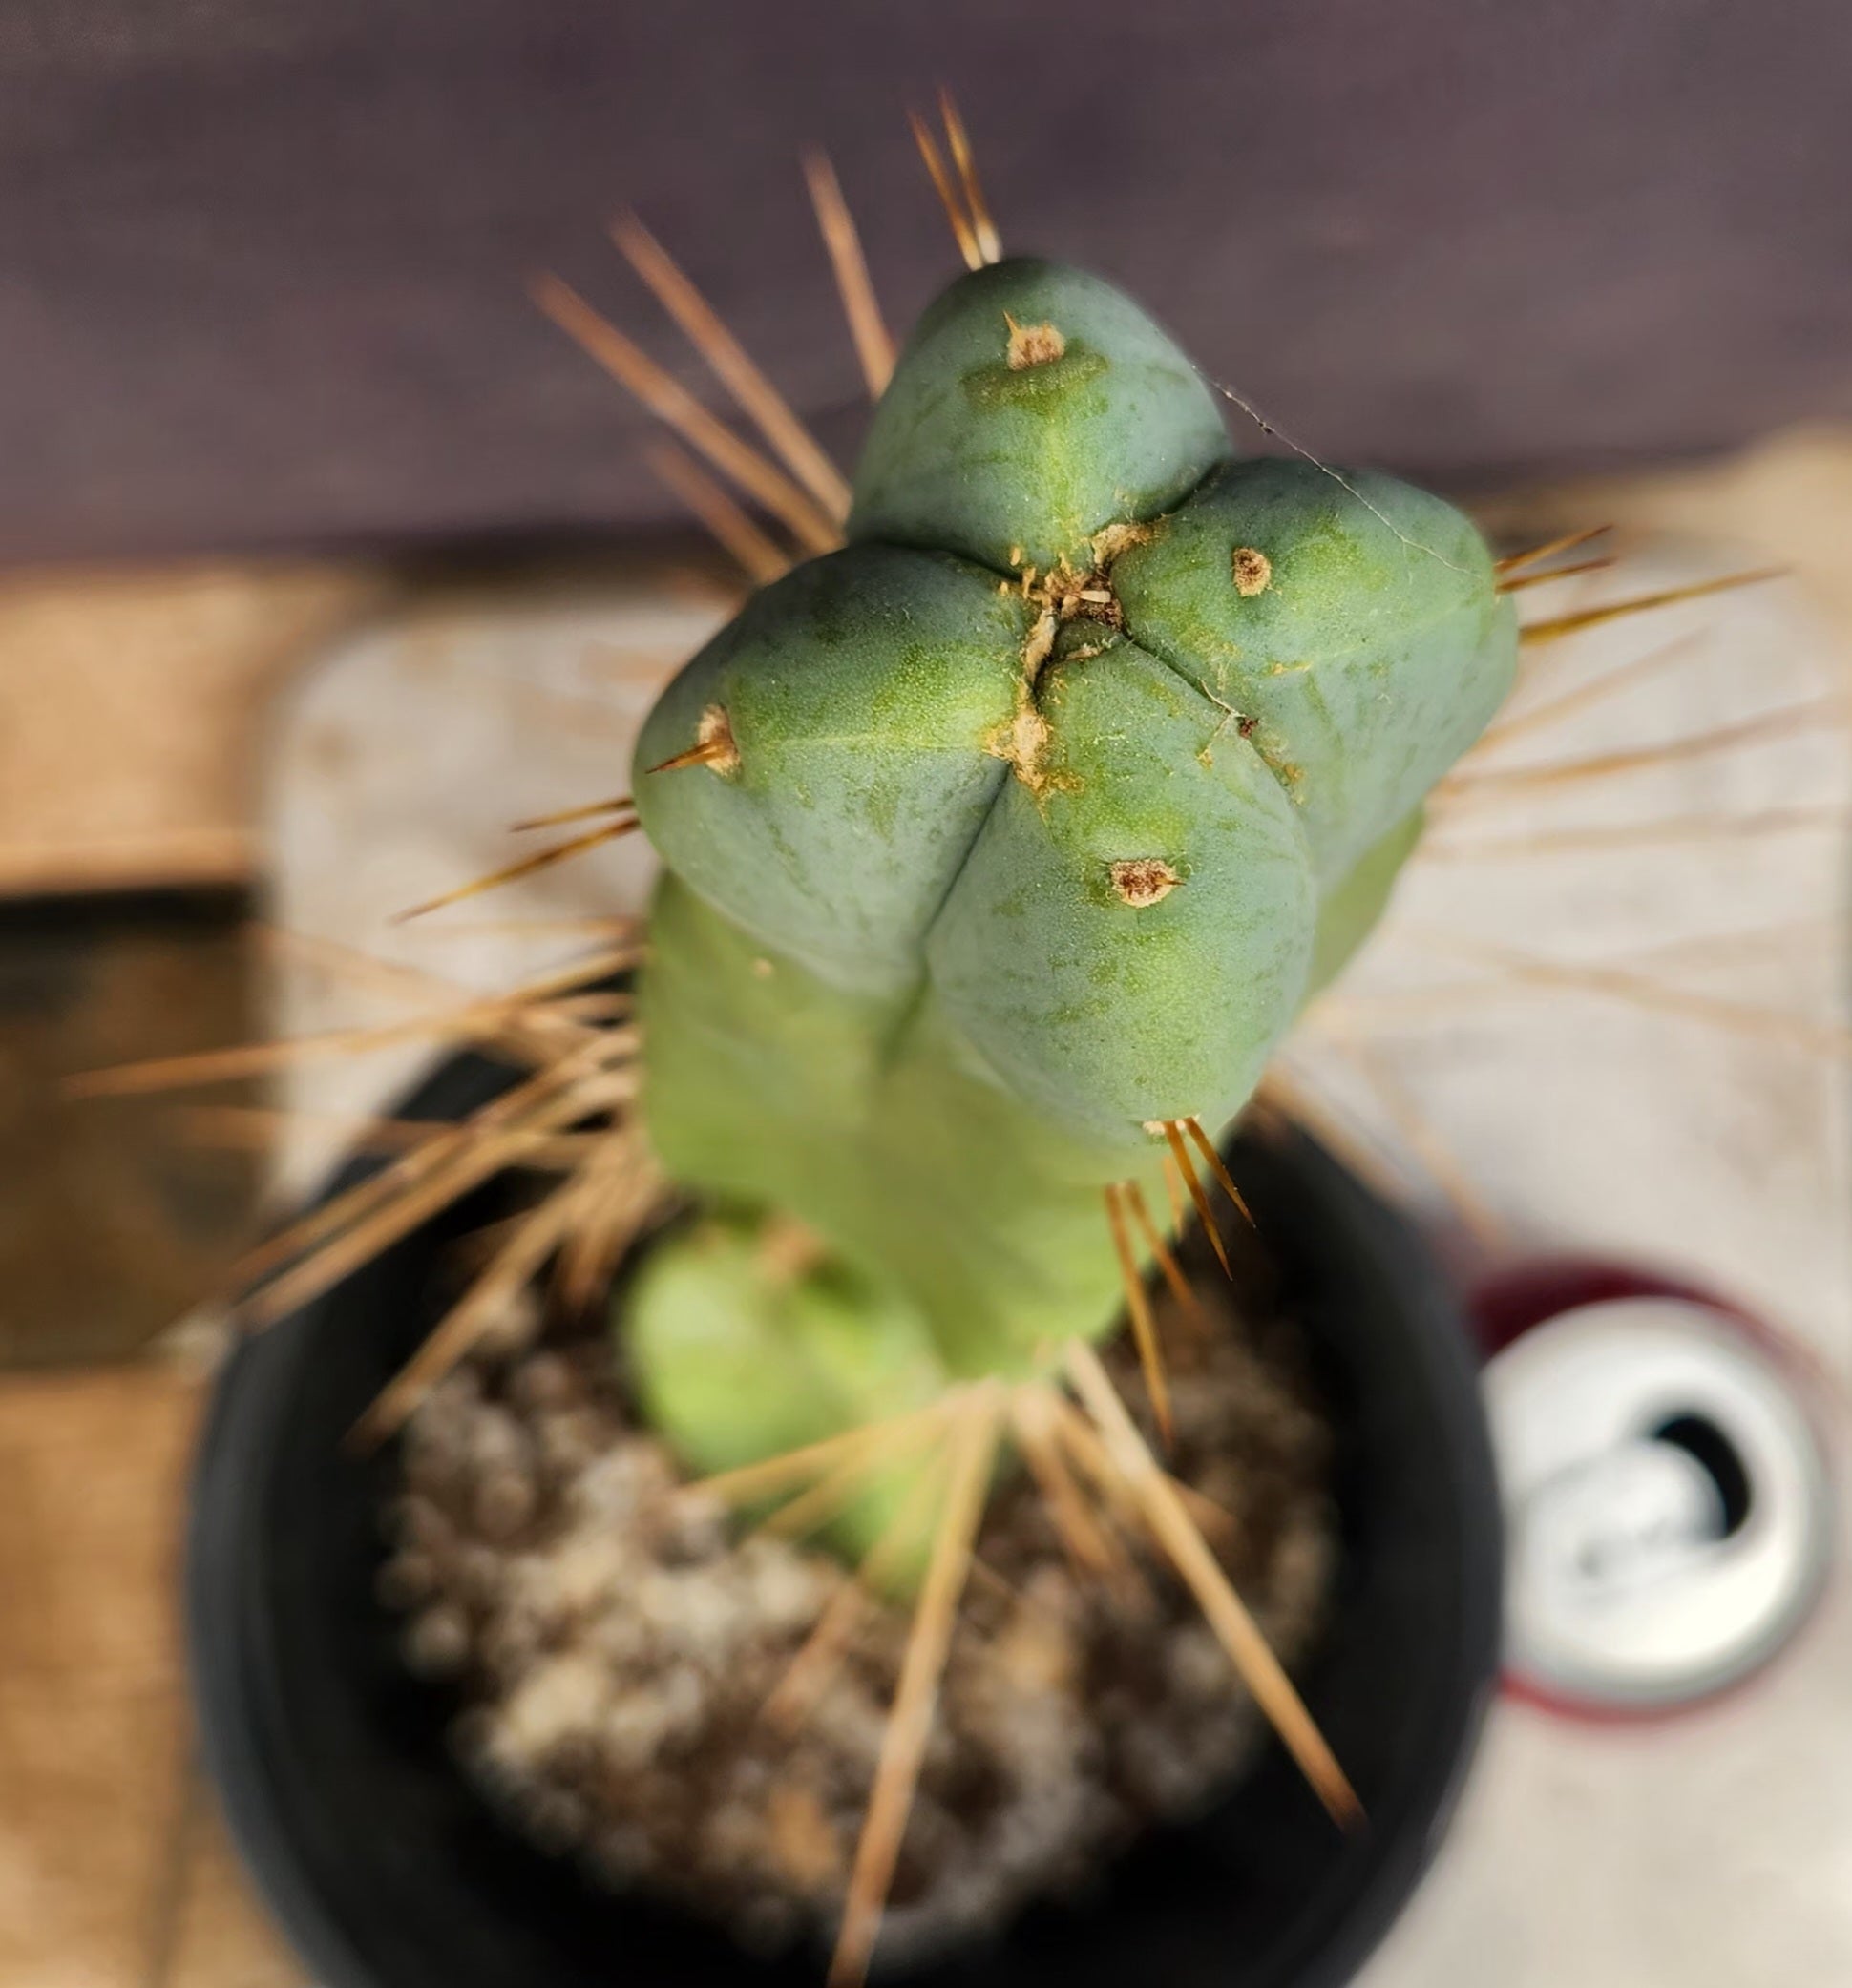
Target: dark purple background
x,y
261,259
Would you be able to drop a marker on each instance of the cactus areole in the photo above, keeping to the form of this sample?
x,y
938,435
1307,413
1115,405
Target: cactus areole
x,y
1013,831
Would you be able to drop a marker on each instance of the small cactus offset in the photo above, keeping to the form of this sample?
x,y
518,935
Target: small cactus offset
x,y
1006,842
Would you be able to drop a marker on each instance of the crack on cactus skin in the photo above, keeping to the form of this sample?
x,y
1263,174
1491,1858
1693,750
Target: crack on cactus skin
x,y
1085,596
1040,642
1062,595
1201,593
1022,744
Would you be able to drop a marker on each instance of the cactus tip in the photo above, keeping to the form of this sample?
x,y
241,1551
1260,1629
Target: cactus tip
x,y
666,397
791,442
1138,1304
971,1450
759,556
1549,549
961,230
964,203
1171,1130
1516,582
990,246
874,342
1560,625
1165,1256
528,867
590,810
1160,1502
1223,1179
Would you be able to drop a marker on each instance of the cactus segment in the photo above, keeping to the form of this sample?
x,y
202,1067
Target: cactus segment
x,y
1034,406
1351,622
856,697
746,1342
1130,934
1003,846
1350,907
873,1122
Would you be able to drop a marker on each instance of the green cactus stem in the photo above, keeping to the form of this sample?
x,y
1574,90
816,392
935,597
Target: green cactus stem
x,y
1003,839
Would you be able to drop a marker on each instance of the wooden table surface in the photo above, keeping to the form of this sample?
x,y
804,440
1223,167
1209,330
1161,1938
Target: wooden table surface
x,y
114,1868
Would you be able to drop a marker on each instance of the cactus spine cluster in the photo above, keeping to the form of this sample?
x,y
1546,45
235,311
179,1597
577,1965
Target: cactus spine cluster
x,y
1001,839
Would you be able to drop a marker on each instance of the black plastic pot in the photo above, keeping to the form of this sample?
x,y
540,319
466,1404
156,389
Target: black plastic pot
x,y
389,1871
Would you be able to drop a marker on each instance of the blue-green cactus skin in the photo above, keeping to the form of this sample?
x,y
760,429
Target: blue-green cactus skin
x,y
1024,825
1015,466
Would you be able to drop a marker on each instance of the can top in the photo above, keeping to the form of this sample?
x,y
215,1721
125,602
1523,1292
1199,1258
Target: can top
x,y
1667,1504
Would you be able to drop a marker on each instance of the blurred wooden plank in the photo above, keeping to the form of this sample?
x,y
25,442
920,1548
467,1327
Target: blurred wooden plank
x,y
93,1734
220,1936
133,701
113,1224
180,859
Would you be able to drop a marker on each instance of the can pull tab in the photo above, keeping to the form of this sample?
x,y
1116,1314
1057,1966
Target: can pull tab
x,y
1611,1527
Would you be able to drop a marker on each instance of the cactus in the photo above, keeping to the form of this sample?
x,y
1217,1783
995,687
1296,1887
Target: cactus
x,y
1007,840
1001,845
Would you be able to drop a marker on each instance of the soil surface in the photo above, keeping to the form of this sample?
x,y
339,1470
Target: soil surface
x,y
620,1643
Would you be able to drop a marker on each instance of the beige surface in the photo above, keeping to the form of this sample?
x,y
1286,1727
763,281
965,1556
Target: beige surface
x,y
218,1934
400,760
111,1874
1715,1850
130,704
1787,502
